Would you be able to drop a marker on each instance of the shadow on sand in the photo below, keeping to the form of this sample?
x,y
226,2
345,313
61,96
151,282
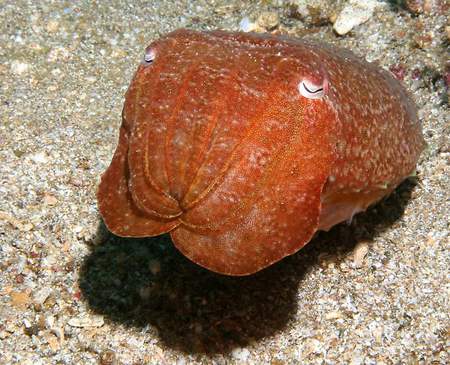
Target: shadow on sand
x,y
148,284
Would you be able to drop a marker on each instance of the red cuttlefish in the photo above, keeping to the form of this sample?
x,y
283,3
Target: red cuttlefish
x,y
242,145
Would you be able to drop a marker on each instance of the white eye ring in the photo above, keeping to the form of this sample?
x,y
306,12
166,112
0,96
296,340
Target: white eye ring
x,y
310,90
149,56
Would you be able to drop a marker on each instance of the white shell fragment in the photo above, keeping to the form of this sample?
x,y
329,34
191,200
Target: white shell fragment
x,y
356,12
360,252
310,90
246,25
42,295
85,321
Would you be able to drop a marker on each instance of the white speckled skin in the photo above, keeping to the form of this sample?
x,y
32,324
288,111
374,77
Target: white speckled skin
x,y
379,138
219,147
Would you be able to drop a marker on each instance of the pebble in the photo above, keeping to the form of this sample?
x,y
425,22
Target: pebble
x,y
377,333
240,354
101,235
423,6
313,12
225,9
27,323
356,12
58,54
447,79
20,299
49,321
334,315
423,40
52,341
41,296
19,68
246,25
85,321
357,359
78,229
181,361
40,157
398,71
26,227
312,346
359,253
268,20
50,200
5,217
52,26
108,357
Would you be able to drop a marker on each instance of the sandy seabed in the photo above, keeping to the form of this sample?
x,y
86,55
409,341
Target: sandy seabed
x,y
373,292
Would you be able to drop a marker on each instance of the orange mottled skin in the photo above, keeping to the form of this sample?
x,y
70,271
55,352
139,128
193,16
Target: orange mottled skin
x,y
218,147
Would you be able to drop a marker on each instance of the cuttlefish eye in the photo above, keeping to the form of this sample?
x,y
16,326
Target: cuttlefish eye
x,y
311,90
149,56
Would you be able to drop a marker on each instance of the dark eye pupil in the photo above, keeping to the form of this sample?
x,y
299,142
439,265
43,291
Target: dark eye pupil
x,y
312,91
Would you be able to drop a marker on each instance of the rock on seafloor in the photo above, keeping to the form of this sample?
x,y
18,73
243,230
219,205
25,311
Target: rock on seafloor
x,y
354,13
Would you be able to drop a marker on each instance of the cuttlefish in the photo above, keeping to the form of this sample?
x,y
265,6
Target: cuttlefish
x,y
242,145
